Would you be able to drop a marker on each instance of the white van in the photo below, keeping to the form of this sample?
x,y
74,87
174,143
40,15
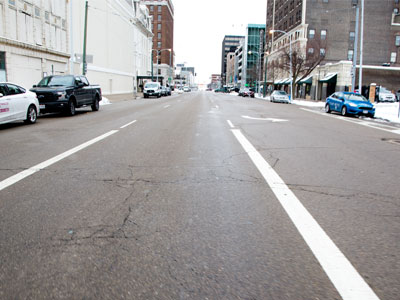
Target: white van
x,y
152,89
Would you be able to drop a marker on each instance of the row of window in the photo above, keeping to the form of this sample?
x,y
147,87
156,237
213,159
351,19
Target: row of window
x,y
159,8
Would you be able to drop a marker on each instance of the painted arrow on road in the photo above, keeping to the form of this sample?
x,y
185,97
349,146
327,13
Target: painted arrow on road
x,y
273,120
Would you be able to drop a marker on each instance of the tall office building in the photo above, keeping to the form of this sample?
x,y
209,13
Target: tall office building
x,y
162,12
229,44
327,28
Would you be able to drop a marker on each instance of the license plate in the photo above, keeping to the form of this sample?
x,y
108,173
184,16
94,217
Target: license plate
x,y
42,106
365,111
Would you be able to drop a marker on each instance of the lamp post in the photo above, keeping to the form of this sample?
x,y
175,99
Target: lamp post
x,y
158,54
290,57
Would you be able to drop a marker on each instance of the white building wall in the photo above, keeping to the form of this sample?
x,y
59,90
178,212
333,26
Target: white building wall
x,y
116,41
33,36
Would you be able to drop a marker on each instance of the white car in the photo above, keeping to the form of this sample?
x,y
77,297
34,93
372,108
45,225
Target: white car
x,y
279,96
385,95
17,104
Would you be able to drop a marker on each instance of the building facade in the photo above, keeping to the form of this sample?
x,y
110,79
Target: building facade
x,y
33,40
162,13
328,28
253,55
118,44
229,44
230,69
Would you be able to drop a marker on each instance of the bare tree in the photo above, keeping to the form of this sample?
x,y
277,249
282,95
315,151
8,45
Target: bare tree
x,y
304,60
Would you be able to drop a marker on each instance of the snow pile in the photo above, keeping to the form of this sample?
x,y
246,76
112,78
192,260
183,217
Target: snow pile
x,y
233,94
387,111
309,103
104,101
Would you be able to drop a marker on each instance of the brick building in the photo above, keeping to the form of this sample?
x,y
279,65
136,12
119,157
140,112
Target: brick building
x,y
328,28
163,30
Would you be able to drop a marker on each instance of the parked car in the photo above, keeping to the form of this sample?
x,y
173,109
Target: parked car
x,y
66,93
240,93
187,89
279,96
164,91
248,93
348,103
222,90
17,104
384,95
152,89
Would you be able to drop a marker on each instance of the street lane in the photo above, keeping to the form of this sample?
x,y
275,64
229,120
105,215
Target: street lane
x,y
172,207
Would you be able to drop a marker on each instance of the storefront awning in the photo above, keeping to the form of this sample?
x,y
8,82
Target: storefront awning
x,y
306,80
286,81
281,81
329,77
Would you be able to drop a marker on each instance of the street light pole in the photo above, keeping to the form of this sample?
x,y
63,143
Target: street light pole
x,y
290,59
355,51
361,48
158,53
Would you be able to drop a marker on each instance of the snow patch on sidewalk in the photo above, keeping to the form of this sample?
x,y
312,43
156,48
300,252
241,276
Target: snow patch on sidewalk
x,y
104,101
309,103
387,111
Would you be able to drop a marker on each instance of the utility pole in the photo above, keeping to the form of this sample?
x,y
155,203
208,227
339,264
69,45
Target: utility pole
x,y
84,67
355,53
361,47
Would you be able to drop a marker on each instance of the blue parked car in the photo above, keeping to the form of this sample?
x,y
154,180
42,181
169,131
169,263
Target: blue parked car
x,y
348,103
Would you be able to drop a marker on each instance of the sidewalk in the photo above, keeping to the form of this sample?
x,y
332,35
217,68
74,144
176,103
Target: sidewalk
x,y
123,97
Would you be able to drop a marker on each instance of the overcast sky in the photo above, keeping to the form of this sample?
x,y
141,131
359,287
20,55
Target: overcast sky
x,y
200,27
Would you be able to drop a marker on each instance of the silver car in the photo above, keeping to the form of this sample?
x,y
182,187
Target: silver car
x,y
279,96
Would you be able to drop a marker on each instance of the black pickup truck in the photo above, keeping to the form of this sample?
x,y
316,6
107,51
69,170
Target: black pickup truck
x,y
66,93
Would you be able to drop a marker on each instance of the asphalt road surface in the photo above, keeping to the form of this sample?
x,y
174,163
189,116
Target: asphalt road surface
x,y
199,196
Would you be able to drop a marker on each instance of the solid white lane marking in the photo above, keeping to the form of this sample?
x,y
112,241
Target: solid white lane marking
x,y
166,106
230,124
126,125
362,123
273,120
346,279
18,177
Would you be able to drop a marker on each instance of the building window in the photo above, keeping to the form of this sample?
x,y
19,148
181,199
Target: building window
x,y
310,50
311,33
151,7
350,54
159,18
37,12
352,36
11,2
3,75
393,57
397,40
159,35
396,11
159,26
47,16
322,51
158,44
323,34
159,8
325,1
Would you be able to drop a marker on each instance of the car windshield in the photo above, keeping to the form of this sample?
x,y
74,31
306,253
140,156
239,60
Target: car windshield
x,y
280,93
151,86
56,81
385,91
355,97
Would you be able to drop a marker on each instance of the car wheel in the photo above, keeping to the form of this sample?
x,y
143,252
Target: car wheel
x,y
96,104
71,109
344,110
327,109
31,115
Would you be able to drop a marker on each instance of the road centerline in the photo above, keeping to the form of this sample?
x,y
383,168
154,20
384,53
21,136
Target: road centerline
x,y
128,124
341,272
21,175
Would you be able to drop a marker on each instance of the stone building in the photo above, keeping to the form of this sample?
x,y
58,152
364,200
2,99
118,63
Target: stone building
x,y
328,28
33,40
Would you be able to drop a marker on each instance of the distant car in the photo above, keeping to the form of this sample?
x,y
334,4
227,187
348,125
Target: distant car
x,y
384,95
152,89
164,91
180,91
17,104
186,89
348,103
248,93
279,96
